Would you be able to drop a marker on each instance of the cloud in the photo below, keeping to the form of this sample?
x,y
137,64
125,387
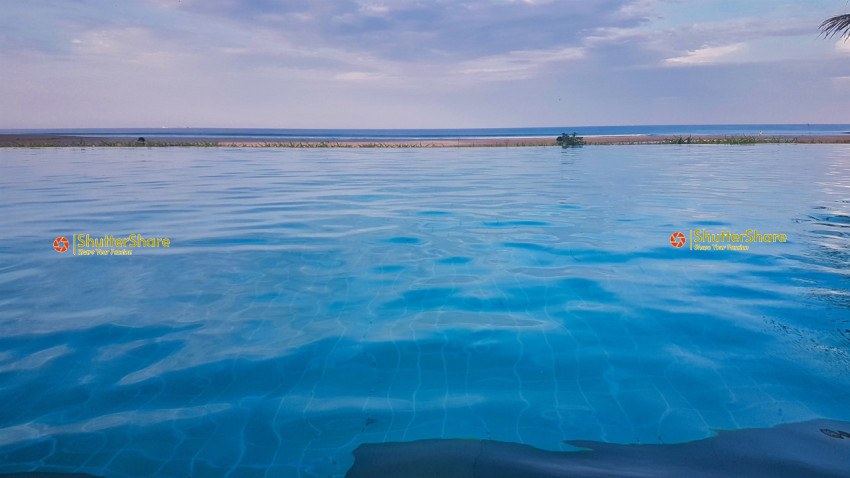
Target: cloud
x,y
374,9
842,47
641,9
840,84
358,41
359,76
735,40
413,31
706,55
402,43
239,62
733,30
124,45
516,65
511,66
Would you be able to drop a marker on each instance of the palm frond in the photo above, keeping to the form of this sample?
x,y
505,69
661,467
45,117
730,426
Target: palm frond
x,y
839,24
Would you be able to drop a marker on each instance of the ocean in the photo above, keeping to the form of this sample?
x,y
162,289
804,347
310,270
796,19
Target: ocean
x,y
268,134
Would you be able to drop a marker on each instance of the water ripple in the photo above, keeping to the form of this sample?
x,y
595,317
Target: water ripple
x,y
312,301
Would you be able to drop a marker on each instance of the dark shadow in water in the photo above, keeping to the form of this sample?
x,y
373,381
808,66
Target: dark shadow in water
x,y
818,448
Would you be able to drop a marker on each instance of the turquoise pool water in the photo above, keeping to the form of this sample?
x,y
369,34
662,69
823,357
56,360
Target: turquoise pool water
x,y
314,300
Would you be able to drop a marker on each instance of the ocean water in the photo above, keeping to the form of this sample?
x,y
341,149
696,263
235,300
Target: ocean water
x,y
314,300
285,135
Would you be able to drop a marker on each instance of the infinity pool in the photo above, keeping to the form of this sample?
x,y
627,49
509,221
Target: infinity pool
x,y
313,300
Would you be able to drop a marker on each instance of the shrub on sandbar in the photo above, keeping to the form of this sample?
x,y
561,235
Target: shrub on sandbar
x,y
566,140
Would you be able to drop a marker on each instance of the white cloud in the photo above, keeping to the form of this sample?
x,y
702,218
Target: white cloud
x,y
637,9
738,40
230,62
516,65
125,45
359,76
373,9
706,55
531,2
840,83
606,35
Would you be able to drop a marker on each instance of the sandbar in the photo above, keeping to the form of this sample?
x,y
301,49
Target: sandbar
x,y
51,140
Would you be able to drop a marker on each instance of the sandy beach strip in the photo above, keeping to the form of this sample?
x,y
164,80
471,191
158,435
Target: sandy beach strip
x,y
46,140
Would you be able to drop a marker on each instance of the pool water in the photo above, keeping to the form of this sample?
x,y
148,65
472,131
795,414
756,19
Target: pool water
x,y
312,300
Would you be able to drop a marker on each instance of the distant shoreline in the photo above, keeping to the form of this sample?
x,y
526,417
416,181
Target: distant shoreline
x,y
52,140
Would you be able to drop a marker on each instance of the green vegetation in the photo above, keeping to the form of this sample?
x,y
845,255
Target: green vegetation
x,y
728,140
566,140
679,140
259,144
107,144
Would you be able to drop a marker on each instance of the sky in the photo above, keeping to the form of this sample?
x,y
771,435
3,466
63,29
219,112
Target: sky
x,y
418,64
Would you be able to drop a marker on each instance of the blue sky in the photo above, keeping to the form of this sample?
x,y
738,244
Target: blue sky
x,y
418,64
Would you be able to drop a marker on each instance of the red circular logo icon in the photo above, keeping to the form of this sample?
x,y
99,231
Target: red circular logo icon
x,y
60,244
677,239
